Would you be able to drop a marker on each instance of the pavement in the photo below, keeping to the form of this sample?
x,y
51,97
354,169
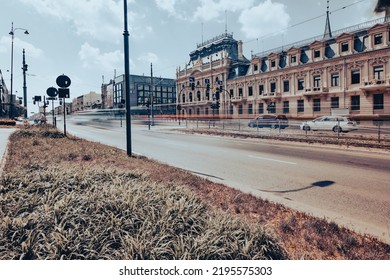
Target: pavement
x,y
4,135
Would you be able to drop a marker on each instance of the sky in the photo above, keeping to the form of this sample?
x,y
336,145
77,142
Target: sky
x,y
83,39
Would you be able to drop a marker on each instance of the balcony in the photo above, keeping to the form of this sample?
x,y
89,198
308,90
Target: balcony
x,y
376,85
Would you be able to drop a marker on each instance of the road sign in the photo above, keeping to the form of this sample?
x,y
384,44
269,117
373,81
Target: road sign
x,y
52,92
63,81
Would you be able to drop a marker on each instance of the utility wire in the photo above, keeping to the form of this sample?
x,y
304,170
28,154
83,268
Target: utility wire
x,y
305,21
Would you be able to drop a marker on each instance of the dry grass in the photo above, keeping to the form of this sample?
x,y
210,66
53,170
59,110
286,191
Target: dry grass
x,y
75,199
66,198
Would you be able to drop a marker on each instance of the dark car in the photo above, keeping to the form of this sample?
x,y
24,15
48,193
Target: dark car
x,y
271,121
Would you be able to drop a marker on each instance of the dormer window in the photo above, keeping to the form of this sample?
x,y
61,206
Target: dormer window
x,y
273,63
317,53
256,67
344,47
293,59
378,39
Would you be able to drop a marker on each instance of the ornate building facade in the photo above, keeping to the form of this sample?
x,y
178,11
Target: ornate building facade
x,y
344,72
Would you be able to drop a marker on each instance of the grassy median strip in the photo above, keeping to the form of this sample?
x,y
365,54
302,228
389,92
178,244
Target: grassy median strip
x,y
56,203
68,198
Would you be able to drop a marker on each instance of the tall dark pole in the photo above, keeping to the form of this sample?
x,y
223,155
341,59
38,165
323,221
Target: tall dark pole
x,y
24,85
12,70
127,80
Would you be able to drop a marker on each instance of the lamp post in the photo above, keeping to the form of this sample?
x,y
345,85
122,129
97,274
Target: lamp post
x,y
12,33
127,80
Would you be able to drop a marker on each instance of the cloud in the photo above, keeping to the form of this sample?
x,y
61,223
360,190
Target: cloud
x,y
210,10
264,19
100,19
93,58
19,45
149,58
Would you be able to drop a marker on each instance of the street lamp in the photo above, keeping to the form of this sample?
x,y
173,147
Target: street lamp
x,y
12,33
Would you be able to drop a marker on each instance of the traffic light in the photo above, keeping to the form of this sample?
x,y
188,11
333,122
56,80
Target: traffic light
x,y
217,105
217,93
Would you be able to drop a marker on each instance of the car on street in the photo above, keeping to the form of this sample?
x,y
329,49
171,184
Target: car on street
x,y
331,123
271,121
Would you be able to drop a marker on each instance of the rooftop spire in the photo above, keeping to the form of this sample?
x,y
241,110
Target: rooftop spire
x,y
328,31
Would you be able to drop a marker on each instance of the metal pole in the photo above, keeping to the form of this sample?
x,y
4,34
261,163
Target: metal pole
x,y
12,69
127,79
63,101
24,85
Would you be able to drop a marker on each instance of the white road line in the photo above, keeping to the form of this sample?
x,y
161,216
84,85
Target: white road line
x,y
275,160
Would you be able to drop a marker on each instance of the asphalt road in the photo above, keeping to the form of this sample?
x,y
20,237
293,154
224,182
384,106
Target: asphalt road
x,y
348,186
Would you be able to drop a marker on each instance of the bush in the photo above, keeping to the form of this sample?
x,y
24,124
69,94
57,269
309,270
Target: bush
x,y
7,122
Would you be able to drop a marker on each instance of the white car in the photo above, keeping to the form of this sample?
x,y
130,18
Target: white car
x,y
332,123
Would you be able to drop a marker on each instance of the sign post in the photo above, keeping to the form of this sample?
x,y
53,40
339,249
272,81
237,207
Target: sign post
x,y
63,82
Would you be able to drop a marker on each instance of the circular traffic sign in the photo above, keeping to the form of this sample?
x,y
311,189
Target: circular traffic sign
x,y
52,92
63,81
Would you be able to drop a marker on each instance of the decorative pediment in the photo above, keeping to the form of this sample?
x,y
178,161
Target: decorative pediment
x,y
355,64
378,60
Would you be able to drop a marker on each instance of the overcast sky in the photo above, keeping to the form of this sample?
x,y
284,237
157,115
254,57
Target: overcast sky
x,y
83,39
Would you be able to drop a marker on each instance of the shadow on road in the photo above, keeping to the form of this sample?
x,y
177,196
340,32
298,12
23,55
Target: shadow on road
x,y
320,184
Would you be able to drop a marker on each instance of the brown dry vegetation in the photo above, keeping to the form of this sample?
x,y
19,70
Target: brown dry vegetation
x,y
70,198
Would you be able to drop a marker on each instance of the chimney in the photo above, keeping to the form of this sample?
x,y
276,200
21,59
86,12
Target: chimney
x,y
240,52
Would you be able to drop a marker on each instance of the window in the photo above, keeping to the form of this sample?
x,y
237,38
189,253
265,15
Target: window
x,y
206,111
261,89
250,91
273,87
344,47
316,81
198,96
231,93
301,84
273,63
190,97
183,98
286,107
286,86
240,109
261,108
335,78
355,102
317,53
316,105
301,106
355,76
293,59
334,102
207,95
198,111
240,92
378,101
255,67
378,39
378,72
250,109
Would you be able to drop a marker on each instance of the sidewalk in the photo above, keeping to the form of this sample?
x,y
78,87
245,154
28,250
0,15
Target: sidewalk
x,y
4,134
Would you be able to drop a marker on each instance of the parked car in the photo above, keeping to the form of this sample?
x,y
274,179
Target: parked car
x,y
331,123
272,121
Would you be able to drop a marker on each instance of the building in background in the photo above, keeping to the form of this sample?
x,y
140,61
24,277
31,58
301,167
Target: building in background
x,y
143,91
88,101
341,72
4,97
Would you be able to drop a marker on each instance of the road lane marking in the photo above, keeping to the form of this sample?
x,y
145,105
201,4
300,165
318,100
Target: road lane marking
x,y
270,159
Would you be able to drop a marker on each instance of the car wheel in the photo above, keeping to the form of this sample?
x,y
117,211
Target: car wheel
x,y
306,128
337,129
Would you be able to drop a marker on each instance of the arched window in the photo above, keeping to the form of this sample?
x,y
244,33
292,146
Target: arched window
x,y
198,96
190,97
184,98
